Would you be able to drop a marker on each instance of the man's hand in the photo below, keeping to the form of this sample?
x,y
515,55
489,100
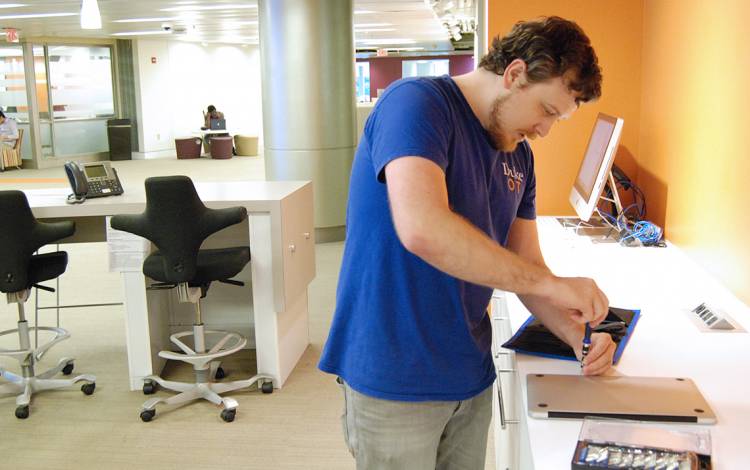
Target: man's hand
x,y
600,357
578,295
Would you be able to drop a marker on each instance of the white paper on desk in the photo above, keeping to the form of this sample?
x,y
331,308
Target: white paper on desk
x,y
126,250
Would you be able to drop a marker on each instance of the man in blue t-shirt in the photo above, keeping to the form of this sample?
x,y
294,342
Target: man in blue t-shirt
x,y
441,211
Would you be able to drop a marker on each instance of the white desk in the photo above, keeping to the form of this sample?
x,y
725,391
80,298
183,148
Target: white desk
x,y
664,283
280,234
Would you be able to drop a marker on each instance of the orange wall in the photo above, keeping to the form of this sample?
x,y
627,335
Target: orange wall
x,y
615,30
695,123
677,71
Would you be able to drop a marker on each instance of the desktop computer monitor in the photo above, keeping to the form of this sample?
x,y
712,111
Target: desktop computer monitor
x,y
596,164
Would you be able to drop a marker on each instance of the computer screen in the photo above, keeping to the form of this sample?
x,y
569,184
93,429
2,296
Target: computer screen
x,y
596,164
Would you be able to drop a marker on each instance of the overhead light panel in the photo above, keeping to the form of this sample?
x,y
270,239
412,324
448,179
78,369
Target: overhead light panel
x,y
374,30
35,15
371,25
13,5
142,33
230,6
90,17
145,20
405,49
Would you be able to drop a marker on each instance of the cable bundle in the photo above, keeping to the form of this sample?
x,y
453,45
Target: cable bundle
x,y
631,221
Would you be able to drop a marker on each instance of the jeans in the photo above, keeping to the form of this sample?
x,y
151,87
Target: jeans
x,y
394,435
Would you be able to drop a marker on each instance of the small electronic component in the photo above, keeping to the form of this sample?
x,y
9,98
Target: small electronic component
x,y
611,456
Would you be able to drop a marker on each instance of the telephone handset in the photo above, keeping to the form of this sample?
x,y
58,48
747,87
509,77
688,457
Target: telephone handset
x,y
95,179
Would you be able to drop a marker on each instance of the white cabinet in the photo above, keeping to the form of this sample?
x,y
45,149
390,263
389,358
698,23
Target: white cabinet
x,y
505,400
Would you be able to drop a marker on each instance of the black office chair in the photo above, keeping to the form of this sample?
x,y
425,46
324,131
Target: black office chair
x,y
20,270
177,222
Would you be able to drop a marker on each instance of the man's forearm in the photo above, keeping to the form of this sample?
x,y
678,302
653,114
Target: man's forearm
x,y
458,248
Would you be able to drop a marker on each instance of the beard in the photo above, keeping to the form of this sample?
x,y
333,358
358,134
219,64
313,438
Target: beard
x,y
497,128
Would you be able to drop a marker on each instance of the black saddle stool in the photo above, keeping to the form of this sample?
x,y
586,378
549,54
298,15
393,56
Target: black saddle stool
x,y
20,269
177,222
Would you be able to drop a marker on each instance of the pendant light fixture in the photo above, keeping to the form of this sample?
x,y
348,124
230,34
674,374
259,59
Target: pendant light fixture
x,y
90,17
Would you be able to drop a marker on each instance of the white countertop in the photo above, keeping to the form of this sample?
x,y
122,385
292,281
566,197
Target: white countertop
x,y
257,196
665,285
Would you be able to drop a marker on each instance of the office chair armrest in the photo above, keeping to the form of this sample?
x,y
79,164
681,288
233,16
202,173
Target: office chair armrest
x,y
217,219
48,232
131,223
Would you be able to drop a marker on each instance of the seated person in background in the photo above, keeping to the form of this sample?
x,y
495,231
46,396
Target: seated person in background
x,y
211,114
8,130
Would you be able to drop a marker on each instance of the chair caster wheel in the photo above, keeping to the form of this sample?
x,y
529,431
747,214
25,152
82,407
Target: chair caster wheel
x,y
220,374
68,369
267,387
149,387
88,389
147,415
228,415
22,412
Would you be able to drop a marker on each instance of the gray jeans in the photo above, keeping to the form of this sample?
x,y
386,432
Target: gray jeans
x,y
394,435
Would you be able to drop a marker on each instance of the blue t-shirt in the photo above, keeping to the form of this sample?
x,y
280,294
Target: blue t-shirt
x,y
402,329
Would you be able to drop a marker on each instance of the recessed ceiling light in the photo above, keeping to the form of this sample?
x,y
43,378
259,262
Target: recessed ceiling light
x,y
374,30
235,6
406,48
35,15
141,33
145,20
371,25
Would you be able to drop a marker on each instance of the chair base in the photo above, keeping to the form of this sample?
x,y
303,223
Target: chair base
x,y
210,391
30,382
25,387
206,367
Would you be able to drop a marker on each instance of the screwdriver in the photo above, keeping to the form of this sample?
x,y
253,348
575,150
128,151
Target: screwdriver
x,y
586,343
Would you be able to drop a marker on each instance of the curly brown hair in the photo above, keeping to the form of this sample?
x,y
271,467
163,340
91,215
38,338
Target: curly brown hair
x,y
551,47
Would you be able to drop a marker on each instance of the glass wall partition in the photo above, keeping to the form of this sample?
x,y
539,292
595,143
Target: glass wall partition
x,y
81,98
13,92
363,81
74,94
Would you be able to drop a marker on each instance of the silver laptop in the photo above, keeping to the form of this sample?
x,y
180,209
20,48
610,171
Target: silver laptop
x,y
664,399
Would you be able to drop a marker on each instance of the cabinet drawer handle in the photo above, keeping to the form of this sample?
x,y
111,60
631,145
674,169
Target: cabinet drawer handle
x,y
503,421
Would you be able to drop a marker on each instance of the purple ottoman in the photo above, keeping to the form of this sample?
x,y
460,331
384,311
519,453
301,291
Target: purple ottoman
x,y
221,147
188,147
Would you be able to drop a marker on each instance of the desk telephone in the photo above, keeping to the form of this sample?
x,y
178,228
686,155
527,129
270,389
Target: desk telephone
x,y
95,179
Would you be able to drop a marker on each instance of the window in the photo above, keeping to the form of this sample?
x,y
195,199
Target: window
x,y
363,81
424,68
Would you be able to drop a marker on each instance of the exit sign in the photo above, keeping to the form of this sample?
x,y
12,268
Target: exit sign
x,y
11,35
